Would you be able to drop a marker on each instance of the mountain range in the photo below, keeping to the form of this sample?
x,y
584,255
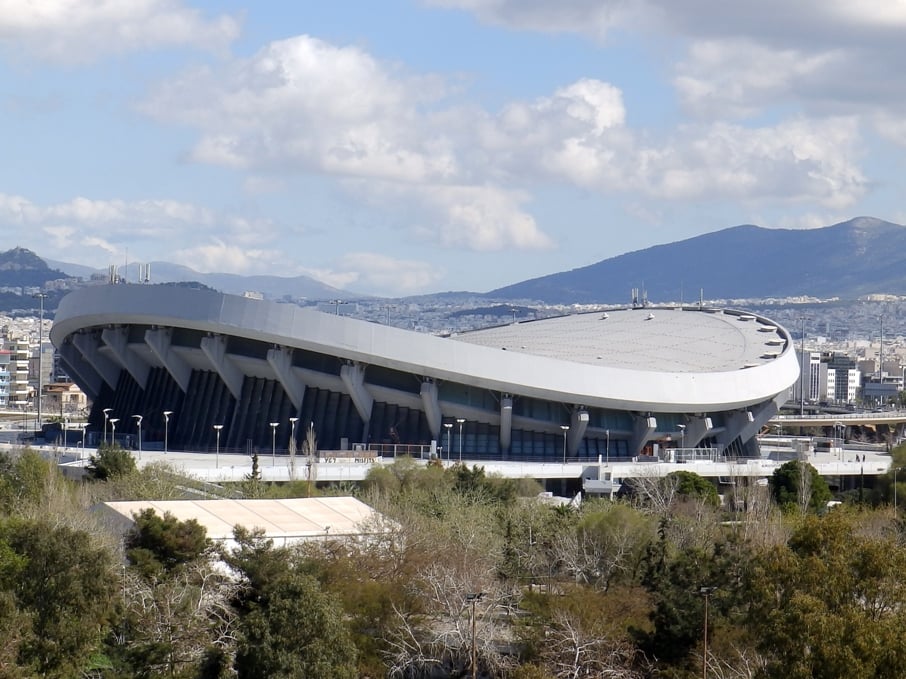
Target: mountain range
x,y
853,258
857,257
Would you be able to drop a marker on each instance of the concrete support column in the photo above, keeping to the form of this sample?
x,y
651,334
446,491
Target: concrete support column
x,y
77,366
117,339
88,345
353,376
643,427
432,408
159,341
214,347
697,429
506,424
578,424
280,360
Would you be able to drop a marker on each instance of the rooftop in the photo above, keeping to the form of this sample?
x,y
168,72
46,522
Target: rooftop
x,y
656,339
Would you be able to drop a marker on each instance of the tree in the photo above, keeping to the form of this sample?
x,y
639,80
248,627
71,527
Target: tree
x,y
695,486
157,544
288,627
830,602
59,586
111,462
798,484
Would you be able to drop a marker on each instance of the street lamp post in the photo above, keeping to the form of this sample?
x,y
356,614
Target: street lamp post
x,y
113,421
217,428
460,420
706,593
565,428
40,296
138,422
682,432
839,433
65,426
474,599
167,414
448,426
607,434
107,412
274,426
895,470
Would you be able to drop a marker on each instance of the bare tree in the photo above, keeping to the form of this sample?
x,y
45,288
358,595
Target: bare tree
x,y
572,652
437,632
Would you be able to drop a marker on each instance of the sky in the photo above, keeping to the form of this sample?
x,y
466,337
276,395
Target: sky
x,y
414,146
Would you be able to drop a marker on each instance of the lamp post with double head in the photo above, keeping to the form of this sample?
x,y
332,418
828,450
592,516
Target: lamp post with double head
x,y
217,428
565,428
274,426
460,421
448,426
167,414
138,422
107,412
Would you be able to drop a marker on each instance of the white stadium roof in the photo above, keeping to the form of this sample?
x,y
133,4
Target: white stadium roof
x,y
647,339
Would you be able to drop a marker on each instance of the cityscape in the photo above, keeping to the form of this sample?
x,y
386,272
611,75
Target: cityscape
x,y
452,339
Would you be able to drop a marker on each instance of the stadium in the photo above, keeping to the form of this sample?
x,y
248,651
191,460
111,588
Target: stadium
x,y
203,368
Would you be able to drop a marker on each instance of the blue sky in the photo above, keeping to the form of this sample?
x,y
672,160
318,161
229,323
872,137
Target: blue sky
x,y
406,147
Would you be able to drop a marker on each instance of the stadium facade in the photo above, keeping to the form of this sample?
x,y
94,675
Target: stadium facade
x,y
584,386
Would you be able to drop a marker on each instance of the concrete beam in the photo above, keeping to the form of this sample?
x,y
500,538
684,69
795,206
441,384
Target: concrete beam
x,y
89,345
117,340
432,408
280,360
159,341
353,376
214,347
643,427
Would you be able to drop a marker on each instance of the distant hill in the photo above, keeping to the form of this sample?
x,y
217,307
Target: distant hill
x,y
20,267
275,287
853,258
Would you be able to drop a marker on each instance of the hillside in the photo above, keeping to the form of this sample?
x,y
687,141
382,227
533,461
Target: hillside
x,y
853,258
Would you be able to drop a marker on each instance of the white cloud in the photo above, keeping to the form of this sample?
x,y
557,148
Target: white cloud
x,y
91,231
220,256
302,104
386,275
591,17
80,31
795,161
